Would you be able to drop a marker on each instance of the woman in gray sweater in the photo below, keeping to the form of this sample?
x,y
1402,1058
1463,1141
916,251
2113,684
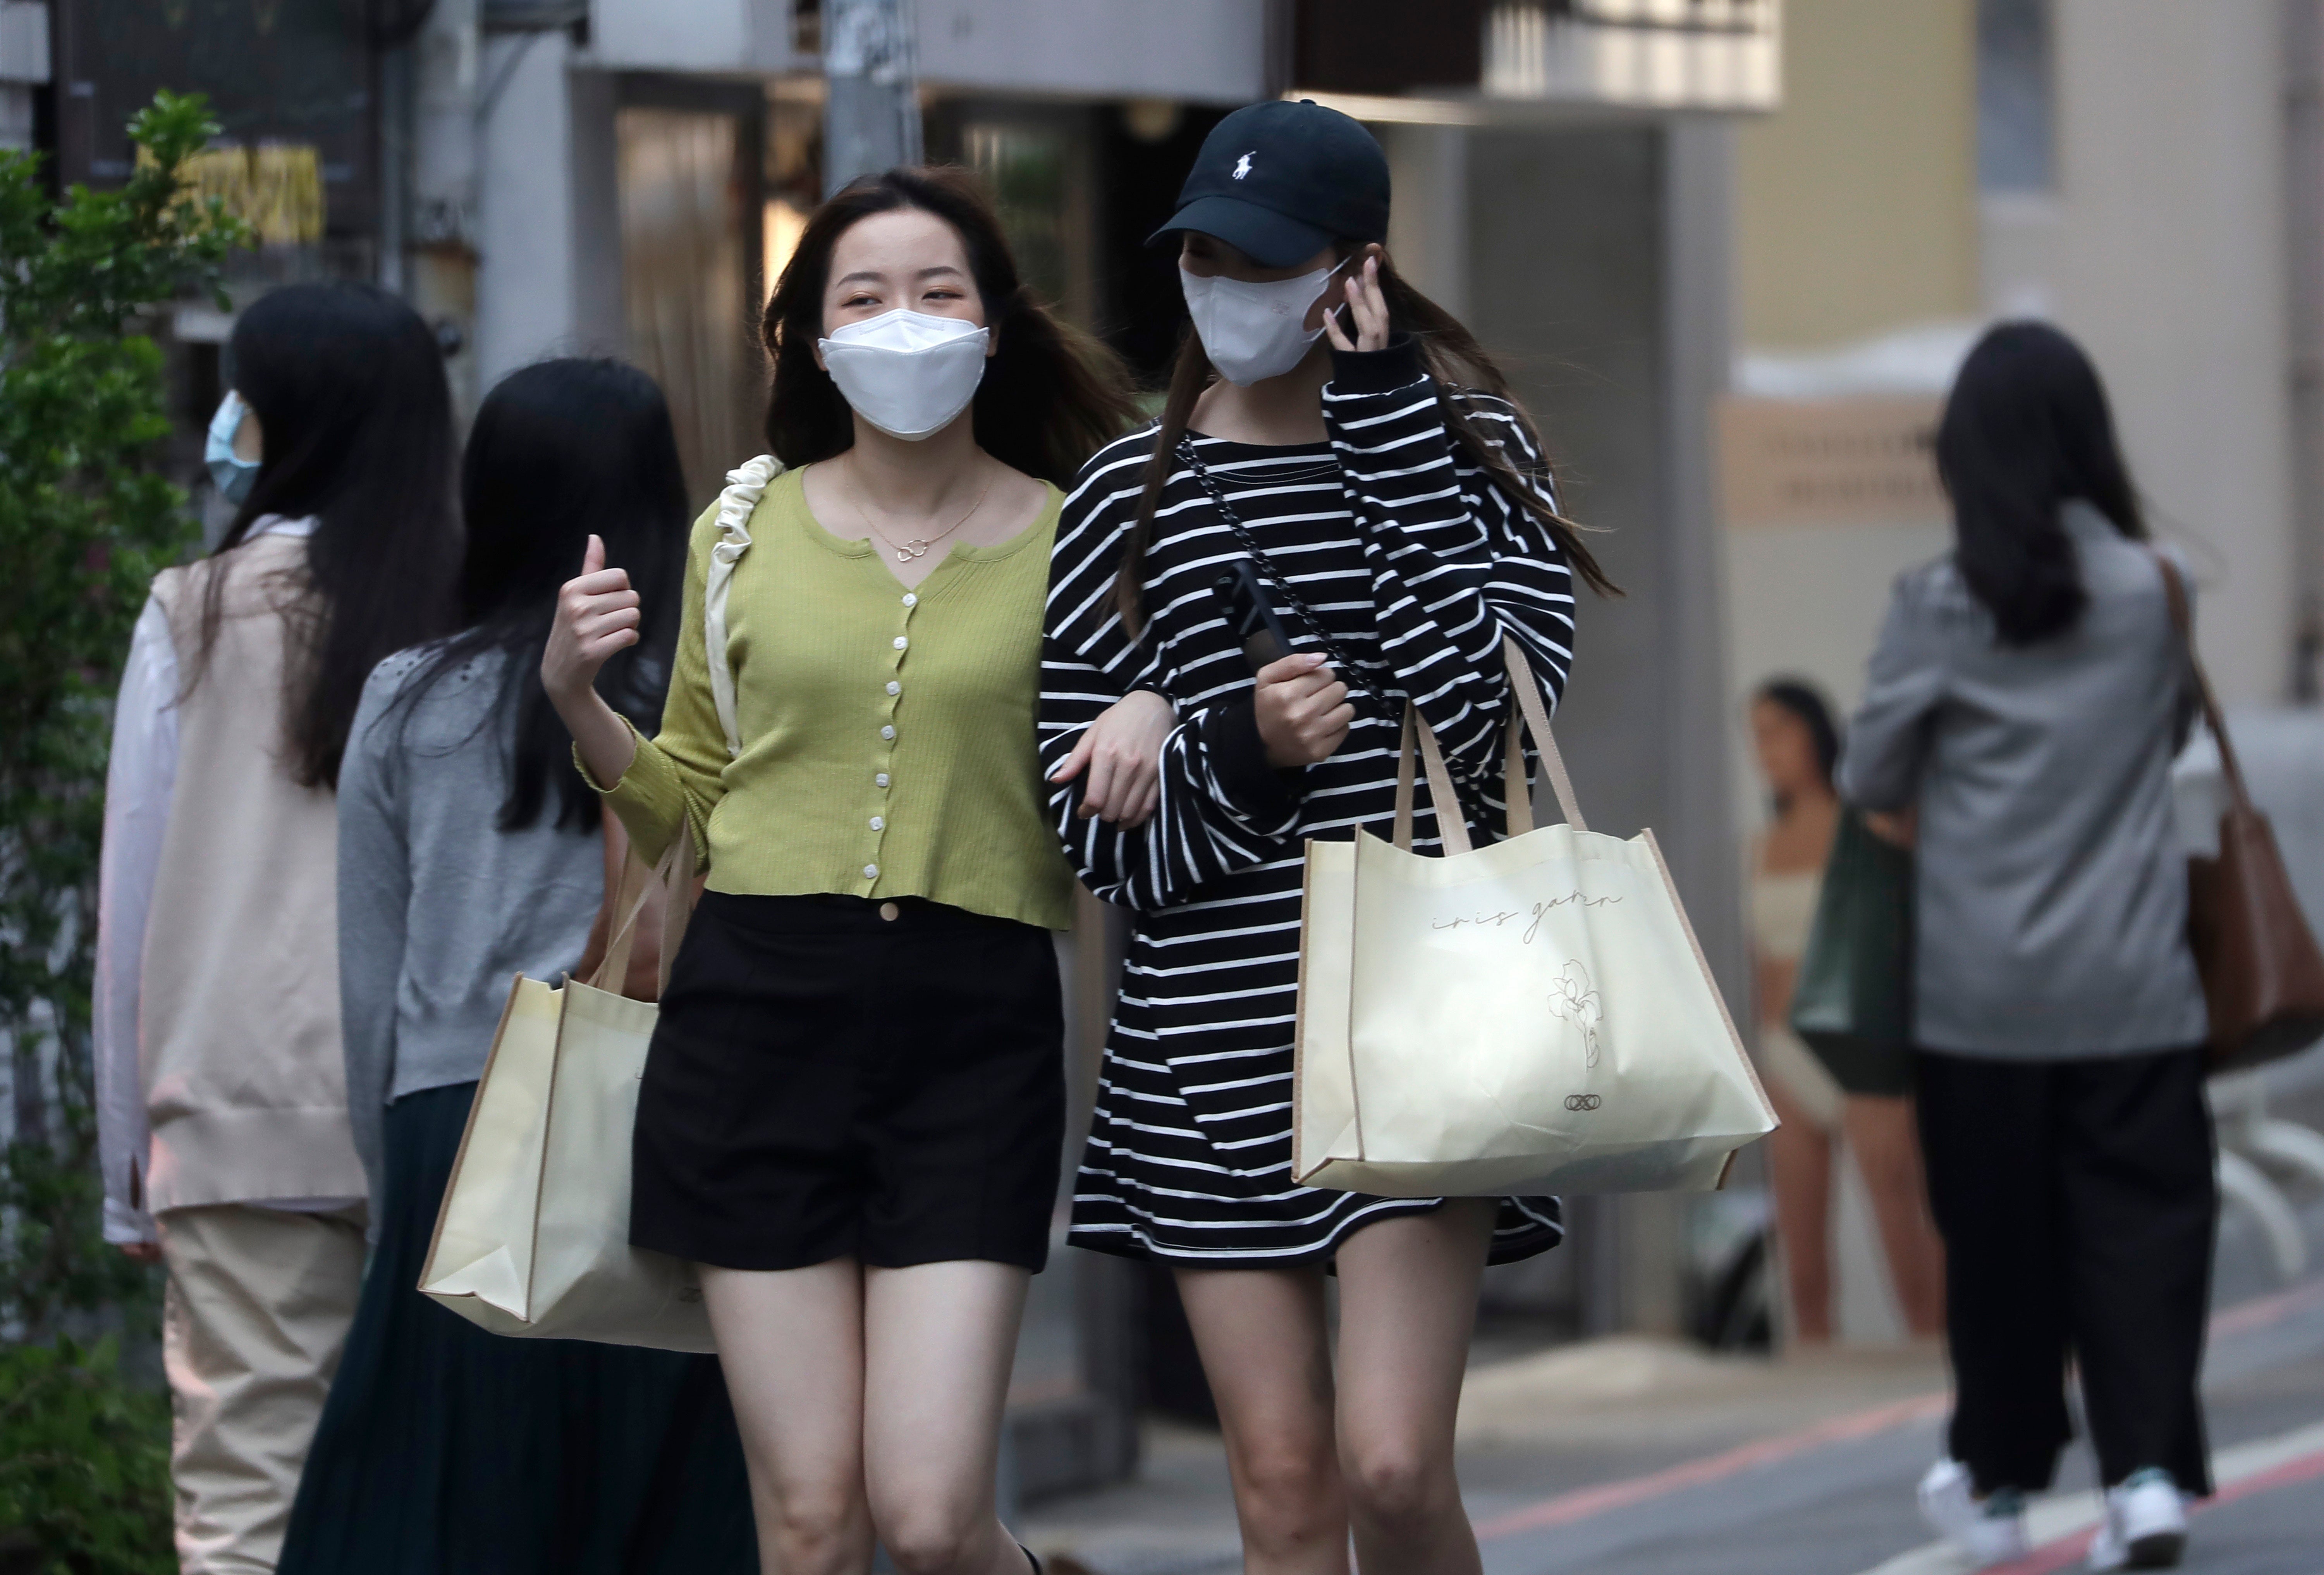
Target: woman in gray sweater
x,y
2025,700
470,851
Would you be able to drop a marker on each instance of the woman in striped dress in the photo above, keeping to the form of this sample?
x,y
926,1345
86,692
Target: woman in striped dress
x,y
1397,509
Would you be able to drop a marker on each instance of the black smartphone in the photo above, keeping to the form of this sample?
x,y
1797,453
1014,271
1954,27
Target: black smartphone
x,y
1251,617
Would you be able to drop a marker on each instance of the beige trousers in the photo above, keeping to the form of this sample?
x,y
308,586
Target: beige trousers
x,y
252,1323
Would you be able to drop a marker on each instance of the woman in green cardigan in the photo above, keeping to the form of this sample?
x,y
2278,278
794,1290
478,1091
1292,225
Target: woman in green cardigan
x,y
851,1113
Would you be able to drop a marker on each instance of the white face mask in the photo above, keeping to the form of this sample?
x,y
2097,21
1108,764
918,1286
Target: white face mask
x,y
908,372
1253,331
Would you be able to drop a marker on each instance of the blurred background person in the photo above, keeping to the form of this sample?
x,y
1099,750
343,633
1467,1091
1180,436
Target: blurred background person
x,y
470,850
1798,746
222,1093
2026,697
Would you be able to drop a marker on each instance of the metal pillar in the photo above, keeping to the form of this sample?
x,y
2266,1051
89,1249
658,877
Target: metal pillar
x,y
872,107
438,211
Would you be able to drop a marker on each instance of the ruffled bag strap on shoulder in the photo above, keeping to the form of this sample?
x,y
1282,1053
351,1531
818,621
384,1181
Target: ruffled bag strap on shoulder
x,y
744,487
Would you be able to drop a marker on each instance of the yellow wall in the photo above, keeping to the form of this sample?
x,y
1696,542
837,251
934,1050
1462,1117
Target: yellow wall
x,y
1856,203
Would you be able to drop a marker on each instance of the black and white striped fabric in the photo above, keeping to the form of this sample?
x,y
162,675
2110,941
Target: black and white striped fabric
x,y
1416,565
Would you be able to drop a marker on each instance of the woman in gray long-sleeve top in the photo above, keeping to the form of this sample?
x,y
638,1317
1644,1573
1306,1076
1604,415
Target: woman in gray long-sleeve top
x,y
471,851
2025,700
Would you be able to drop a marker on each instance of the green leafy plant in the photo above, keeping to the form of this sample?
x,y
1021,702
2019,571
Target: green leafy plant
x,y
83,1465
86,519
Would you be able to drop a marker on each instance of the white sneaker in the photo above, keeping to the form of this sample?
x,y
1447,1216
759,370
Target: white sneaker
x,y
2145,1524
1991,1530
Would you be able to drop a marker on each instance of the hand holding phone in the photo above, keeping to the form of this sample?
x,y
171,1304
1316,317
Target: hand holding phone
x,y
1301,707
1251,617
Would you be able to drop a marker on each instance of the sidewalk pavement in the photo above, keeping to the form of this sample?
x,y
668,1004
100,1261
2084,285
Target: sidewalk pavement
x,y
1634,1455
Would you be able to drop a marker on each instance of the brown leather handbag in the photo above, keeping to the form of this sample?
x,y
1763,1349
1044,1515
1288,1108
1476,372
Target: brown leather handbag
x,y
2263,975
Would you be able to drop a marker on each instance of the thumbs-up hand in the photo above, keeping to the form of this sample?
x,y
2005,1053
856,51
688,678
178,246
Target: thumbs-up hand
x,y
596,615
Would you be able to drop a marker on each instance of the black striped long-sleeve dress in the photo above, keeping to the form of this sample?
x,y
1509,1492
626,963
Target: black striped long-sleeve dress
x,y
1416,565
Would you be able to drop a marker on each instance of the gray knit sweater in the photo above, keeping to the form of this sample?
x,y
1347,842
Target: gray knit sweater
x,y
439,909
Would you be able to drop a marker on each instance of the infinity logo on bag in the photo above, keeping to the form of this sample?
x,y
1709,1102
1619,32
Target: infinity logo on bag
x,y
1583,1101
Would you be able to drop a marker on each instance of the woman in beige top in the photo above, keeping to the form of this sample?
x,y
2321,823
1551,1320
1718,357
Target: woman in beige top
x,y
1797,745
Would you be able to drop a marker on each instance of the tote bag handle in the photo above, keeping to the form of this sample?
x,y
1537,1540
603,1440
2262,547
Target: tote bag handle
x,y
675,875
1533,715
2174,592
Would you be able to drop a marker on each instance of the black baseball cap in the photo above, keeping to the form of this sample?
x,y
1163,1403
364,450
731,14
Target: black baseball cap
x,y
1279,181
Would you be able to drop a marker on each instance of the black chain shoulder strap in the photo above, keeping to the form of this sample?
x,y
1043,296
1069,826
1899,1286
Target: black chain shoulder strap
x,y
1349,670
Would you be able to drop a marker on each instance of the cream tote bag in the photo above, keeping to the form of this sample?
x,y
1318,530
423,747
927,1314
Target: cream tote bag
x,y
1534,1017
533,1237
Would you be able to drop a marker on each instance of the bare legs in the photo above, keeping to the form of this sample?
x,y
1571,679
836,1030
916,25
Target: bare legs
x,y
1311,1462
871,1396
1268,1357
1407,1303
1887,1151
941,1338
792,1346
1881,1134
1799,1154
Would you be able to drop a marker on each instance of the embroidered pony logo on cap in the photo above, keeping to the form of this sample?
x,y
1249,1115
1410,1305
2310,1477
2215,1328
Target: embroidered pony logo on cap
x,y
1242,167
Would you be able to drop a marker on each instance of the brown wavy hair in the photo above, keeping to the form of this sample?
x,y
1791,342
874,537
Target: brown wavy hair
x,y
1052,395
1453,359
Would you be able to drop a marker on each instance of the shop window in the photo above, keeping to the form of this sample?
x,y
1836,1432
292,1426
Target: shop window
x,y
1038,172
2016,138
794,177
690,212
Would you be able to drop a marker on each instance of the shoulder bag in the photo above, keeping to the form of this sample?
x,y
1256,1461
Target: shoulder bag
x,y
1853,1001
533,1236
1532,1017
2263,975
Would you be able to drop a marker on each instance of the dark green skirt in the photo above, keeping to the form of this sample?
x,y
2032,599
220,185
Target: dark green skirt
x,y
447,1450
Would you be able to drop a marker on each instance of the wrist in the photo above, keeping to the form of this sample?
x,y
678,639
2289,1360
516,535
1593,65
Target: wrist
x,y
582,709
1395,365
1243,763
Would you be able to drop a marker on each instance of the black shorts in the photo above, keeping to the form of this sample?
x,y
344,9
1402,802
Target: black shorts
x,y
826,1082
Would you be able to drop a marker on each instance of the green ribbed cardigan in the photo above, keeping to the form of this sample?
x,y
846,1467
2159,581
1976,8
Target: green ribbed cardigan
x,y
888,736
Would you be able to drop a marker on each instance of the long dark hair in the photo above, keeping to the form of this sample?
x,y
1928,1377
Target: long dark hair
x,y
1804,701
2025,428
1455,360
349,389
1052,395
561,451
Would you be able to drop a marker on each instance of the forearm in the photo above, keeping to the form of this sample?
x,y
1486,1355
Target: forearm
x,y
1456,564
368,1077
141,780
602,740
1887,744
1221,809
655,797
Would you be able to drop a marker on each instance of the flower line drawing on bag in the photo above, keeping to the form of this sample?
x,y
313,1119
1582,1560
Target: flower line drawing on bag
x,y
1538,912
1572,1000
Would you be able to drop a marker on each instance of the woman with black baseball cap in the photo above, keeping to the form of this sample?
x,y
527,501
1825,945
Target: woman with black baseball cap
x,y
1349,443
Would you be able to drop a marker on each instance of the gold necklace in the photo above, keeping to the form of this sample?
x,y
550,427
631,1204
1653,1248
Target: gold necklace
x,y
918,547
